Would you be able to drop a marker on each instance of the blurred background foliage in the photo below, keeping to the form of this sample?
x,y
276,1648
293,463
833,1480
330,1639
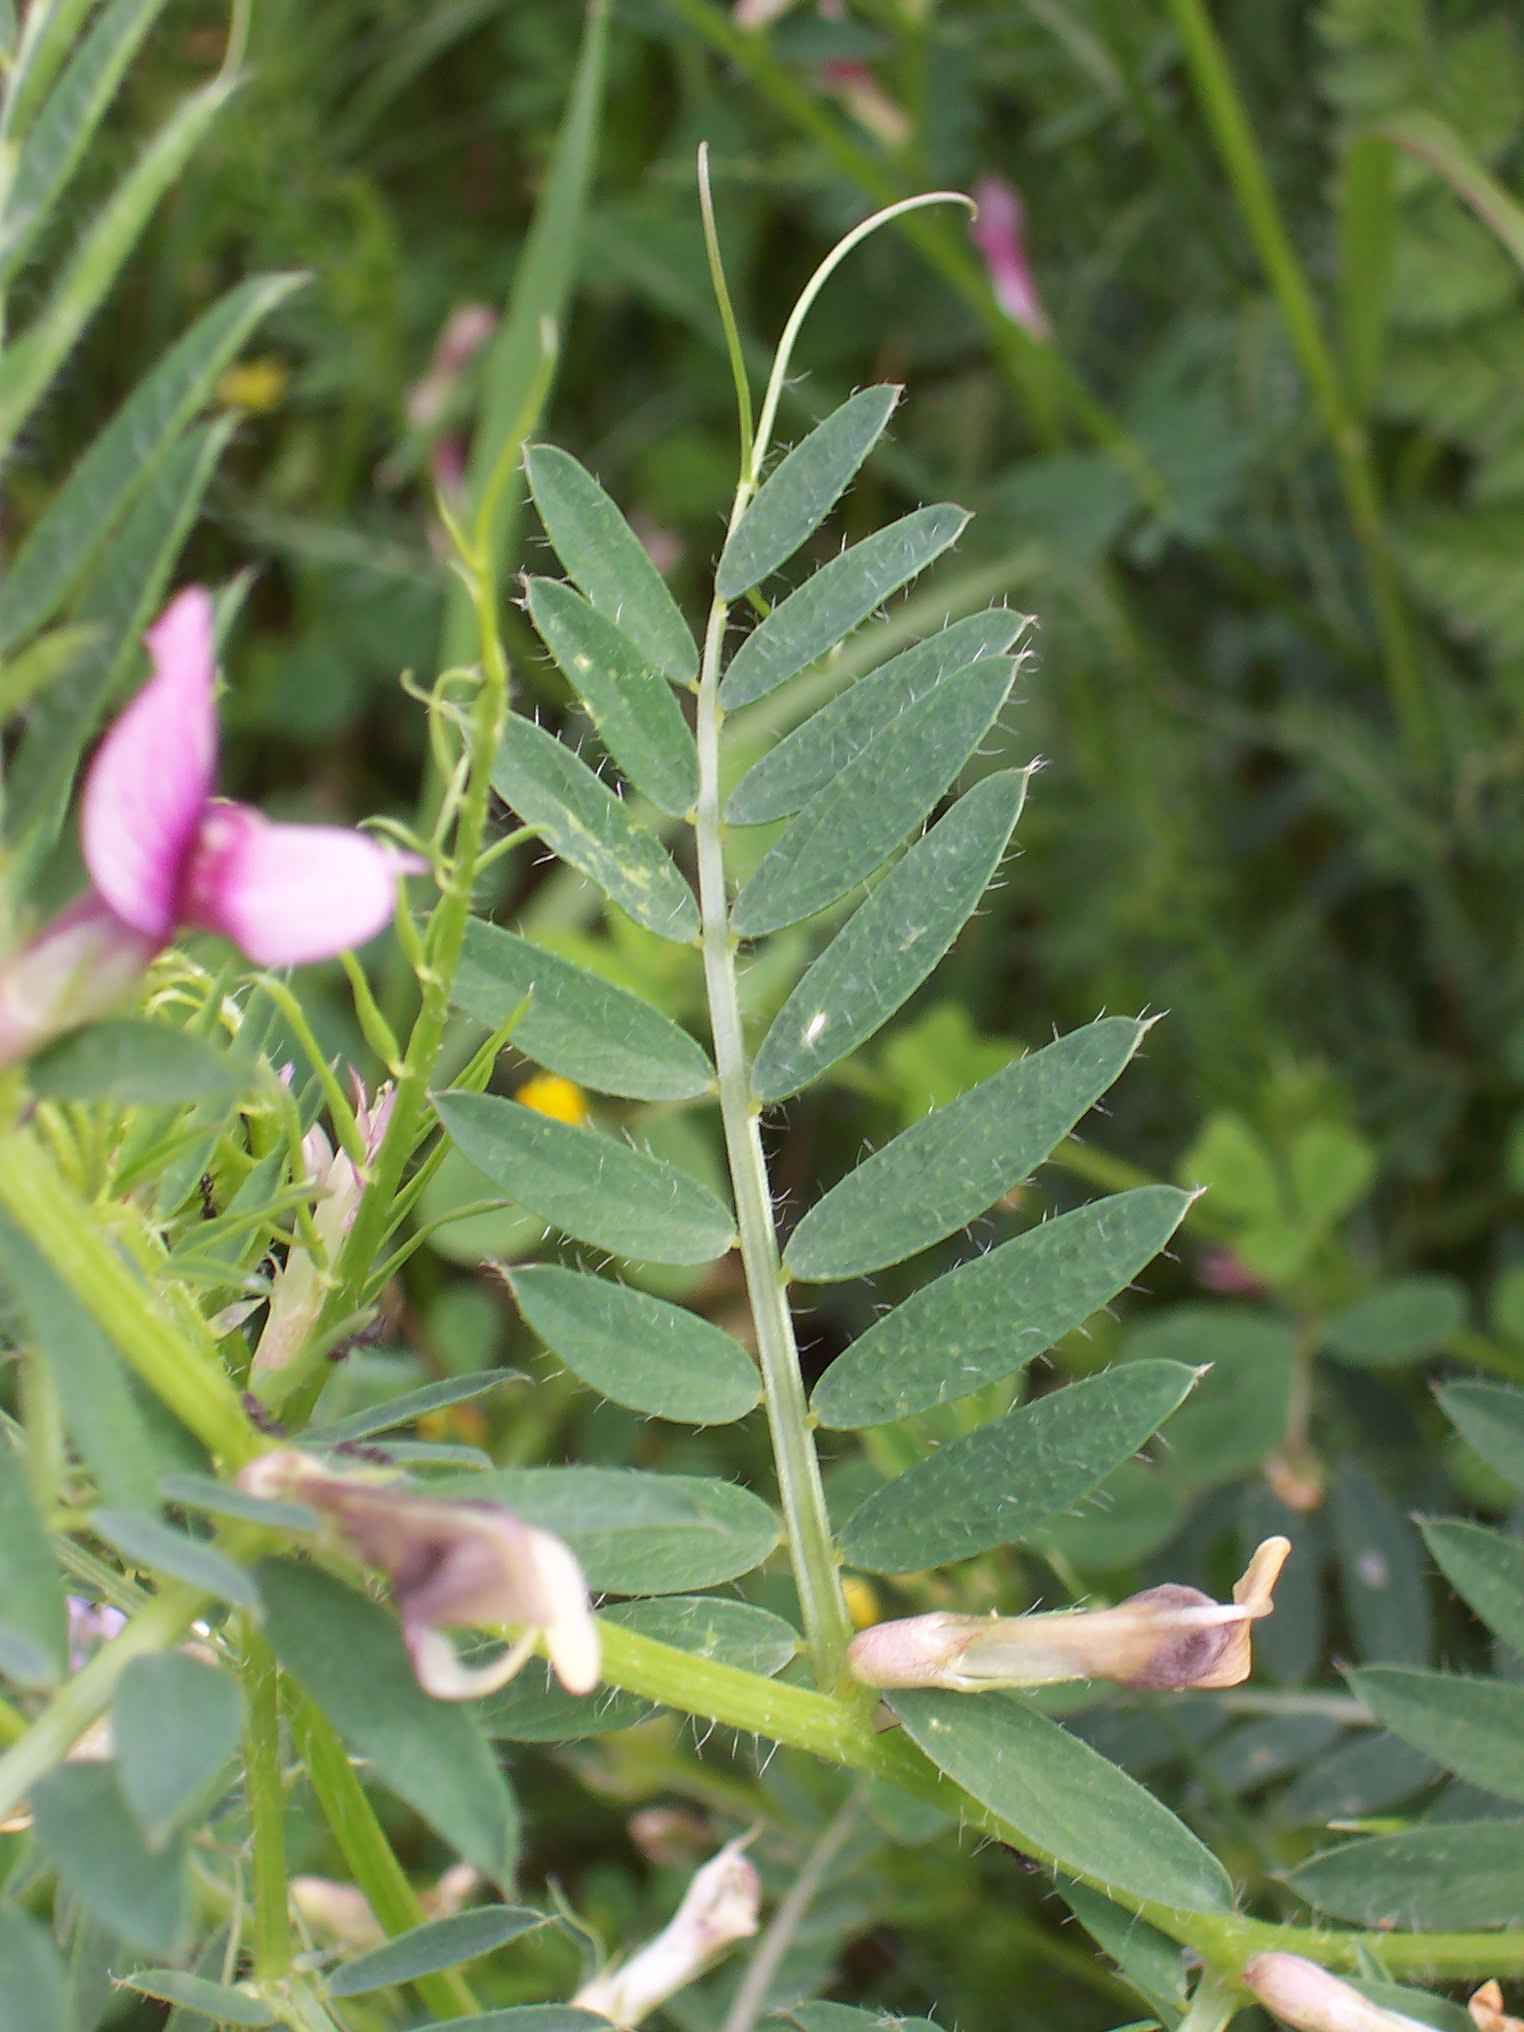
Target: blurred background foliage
x,y
1282,813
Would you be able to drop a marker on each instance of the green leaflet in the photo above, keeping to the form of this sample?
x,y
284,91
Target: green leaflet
x,y
576,1024
1239,1413
851,827
348,1654
608,561
892,941
1468,1874
409,1408
1064,1797
135,1064
587,825
85,1830
937,1176
1490,1417
833,600
587,1184
175,1725
534,1709
215,2001
438,1944
801,491
1473,1727
36,1972
999,1484
125,456
638,1350
628,698
816,752
994,1314
1368,1772
145,1541
526,2018
34,1618
1381,1572
1487,1568
826,2017
1398,1322
640,1534
1152,1962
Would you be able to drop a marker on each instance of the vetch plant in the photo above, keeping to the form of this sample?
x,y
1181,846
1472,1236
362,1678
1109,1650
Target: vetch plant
x,y
810,852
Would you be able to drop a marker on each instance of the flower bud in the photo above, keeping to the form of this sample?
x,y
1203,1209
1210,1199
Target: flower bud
x,y
1166,1638
719,1908
1487,2013
1304,1995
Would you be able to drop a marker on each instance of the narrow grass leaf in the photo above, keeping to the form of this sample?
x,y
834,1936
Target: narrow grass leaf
x,y
834,599
1064,1797
34,1617
349,1655
814,754
224,2006
801,491
892,941
440,1944
1472,1727
47,37
31,363
174,1725
124,457
578,1024
999,1484
84,1828
638,1350
939,1174
587,1184
70,116
1490,1418
608,561
849,829
991,1316
1486,1568
641,1534
630,702
588,826
409,1408
144,1541
1466,1874
134,1063
1435,142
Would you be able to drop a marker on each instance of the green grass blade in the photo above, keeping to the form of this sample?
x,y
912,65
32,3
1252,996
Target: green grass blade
x,y
1429,139
46,39
1367,255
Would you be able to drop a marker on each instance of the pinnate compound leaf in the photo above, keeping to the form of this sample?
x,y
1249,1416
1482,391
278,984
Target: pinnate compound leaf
x,y
850,828
629,701
550,789
124,455
816,752
34,1618
1064,1797
216,2001
939,1174
439,1944
608,560
892,941
993,1315
1474,1727
84,1828
1489,1417
833,600
640,1534
175,1725
348,1654
1487,1569
576,1024
1005,1481
638,1350
1465,1874
587,1184
801,491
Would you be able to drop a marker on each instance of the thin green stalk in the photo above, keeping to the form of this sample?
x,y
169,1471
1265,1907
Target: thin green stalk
x,y
265,1792
1233,133
366,1850
751,1997
842,1734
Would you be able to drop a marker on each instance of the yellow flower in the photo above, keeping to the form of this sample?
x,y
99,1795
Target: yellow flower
x,y
861,1597
258,385
561,1099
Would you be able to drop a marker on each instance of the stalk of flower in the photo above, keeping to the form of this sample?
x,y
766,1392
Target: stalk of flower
x,y
301,1285
164,854
1166,1638
721,1906
1308,1997
451,1563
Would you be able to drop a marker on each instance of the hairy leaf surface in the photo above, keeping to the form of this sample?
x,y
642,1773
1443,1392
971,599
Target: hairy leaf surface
x,y
1474,1727
1466,1874
1487,1568
1490,1417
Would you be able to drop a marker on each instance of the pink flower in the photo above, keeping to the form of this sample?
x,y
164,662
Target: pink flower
x,y
163,853
997,233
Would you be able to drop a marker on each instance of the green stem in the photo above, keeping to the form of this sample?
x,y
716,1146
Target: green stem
x,y
265,1792
362,1839
842,1734
1233,133
751,1997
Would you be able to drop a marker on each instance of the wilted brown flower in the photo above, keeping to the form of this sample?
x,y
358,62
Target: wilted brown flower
x,y
1487,2013
719,1908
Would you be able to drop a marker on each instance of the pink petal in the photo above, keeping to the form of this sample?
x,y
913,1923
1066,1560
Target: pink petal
x,y
285,894
153,772
78,967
